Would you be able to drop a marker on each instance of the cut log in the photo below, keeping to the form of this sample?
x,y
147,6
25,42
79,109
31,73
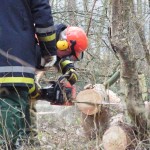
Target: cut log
x,y
95,125
90,101
104,118
115,138
119,136
97,106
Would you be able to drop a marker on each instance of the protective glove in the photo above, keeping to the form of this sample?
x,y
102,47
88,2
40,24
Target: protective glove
x,y
34,92
48,61
72,76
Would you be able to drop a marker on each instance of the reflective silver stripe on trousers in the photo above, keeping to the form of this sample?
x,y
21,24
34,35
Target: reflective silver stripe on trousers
x,y
45,30
17,69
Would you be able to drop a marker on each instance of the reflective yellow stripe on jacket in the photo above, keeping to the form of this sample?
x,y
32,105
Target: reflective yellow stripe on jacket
x,y
47,38
16,80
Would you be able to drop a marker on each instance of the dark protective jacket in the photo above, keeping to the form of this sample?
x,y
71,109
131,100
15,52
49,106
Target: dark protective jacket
x,y
65,64
20,20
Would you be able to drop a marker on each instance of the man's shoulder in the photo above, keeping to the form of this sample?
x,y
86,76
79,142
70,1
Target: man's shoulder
x,y
60,26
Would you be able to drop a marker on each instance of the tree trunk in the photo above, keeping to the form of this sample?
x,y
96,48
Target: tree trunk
x,y
121,11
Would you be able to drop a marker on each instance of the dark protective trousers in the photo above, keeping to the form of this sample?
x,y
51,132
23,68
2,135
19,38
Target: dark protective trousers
x,y
14,116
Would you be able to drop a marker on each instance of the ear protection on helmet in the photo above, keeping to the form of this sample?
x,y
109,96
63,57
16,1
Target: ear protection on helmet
x,y
62,45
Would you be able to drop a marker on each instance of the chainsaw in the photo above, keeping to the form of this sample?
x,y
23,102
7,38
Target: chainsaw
x,y
59,92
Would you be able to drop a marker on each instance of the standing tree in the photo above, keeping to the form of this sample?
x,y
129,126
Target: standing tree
x,y
122,12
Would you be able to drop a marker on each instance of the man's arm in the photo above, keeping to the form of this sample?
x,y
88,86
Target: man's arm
x,y
67,67
44,26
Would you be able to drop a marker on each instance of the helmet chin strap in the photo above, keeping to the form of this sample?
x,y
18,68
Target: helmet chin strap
x,y
73,43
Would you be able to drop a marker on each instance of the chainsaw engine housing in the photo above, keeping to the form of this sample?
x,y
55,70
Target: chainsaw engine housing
x,y
58,93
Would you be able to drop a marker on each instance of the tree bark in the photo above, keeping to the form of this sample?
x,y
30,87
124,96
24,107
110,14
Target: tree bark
x,y
121,11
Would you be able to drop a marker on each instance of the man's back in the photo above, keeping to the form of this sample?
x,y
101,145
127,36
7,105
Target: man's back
x,y
19,21
16,31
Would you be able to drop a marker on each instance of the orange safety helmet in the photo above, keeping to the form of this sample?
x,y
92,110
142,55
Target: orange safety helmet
x,y
74,43
79,36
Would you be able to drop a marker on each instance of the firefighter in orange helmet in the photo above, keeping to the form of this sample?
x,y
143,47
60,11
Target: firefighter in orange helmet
x,y
71,42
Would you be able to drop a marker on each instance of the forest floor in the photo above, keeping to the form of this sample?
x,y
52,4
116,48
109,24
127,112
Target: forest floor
x,y
60,129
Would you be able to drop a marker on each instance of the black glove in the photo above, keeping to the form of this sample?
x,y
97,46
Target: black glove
x,y
34,92
72,76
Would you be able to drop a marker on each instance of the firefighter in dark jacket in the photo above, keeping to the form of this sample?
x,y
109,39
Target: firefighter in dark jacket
x,y
20,20
71,42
